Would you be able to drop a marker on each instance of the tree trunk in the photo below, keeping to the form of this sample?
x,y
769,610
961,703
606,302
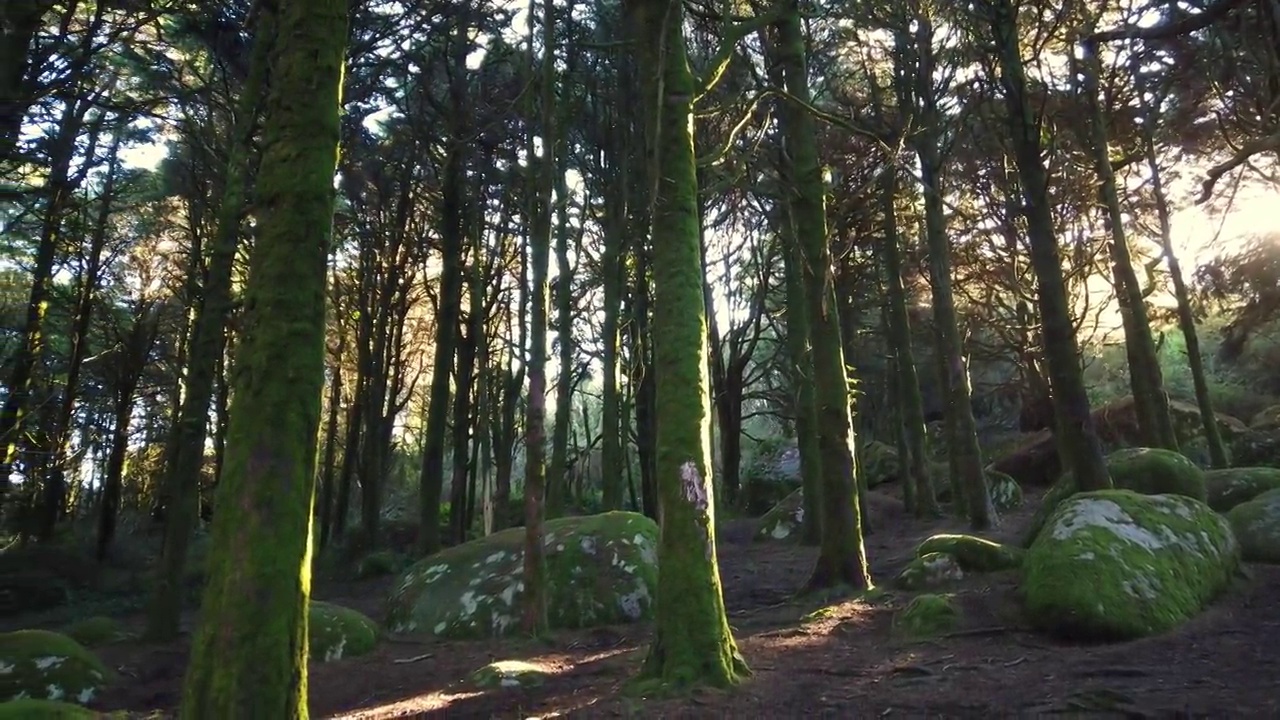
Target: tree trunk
x,y
692,643
180,484
842,558
907,383
1155,424
1078,441
249,656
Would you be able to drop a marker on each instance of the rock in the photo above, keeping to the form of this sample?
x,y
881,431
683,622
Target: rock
x,y
1006,494
95,631
1036,461
1268,419
972,553
1150,471
1256,448
43,665
772,475
1257,526
877,462
1116,564
930,570
29,709
379,563
1229,487
509,674
927,615
784,520
337,632
601,570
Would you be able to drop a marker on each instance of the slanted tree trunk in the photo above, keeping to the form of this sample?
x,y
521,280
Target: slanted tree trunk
x,y
693,643
1151,403
842,559
1078,440
249,655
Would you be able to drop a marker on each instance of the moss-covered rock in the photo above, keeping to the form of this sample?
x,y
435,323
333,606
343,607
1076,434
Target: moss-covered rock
x,y
1116,564
972,553
927,615
784,520
1257,526
1006,494
43,665
379,563
29,709
928,571
601,570
772,474
1150,471
1257,448
1268,419
877,462
95,631
1229,487
509,674
1155,471
337,632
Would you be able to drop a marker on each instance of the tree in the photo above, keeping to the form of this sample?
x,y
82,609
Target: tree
x,y
249,656
692,643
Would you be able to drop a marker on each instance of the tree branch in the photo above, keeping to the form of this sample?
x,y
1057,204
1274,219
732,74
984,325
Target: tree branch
x,y
1164,31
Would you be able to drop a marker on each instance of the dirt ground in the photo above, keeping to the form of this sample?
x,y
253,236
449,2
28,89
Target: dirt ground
x,y
842,662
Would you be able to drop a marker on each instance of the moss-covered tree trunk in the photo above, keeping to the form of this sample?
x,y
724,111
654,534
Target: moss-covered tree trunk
x,y
1078,440
180,484
692,643
249,656
559,468
842,559
611,451
907,383
1155,423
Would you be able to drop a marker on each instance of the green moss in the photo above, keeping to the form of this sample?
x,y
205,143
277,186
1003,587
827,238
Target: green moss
x,y
927,615
601,569
928,571
337,632
509,674
1116,564
29,709
1257,526
44,665
973,554
785,520
1229,487
95,631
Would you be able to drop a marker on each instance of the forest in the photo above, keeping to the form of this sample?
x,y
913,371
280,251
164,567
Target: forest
x,y
761,358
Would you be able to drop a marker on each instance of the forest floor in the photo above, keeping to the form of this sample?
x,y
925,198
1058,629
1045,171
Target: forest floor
x,y
845,661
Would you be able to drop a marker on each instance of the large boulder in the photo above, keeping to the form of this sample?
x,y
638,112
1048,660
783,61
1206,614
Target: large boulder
x,y
1229,487
601,569
337,632
929,571
1257,525
772,475
1036,461
1256,448
1150,471
43,665
1268,419
877,463
1116,564
784,521
29,709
